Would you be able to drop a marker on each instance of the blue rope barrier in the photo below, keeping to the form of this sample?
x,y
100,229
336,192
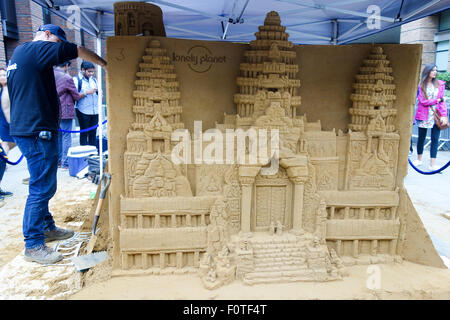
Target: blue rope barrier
x,y
4,157
12,163
84,130
429,172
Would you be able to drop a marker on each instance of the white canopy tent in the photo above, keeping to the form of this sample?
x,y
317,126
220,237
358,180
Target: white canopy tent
x,y
307,21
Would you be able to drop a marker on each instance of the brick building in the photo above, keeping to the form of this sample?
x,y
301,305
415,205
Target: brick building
x,y
433,33
21,19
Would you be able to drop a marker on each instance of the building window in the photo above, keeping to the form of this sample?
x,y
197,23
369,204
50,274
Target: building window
x,y
9,19
444,20
46,15
442,55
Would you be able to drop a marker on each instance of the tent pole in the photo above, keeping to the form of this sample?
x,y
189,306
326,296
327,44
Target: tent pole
x,y
334,37
100,105
100,95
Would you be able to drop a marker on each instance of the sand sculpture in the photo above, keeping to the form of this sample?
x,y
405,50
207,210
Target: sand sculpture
x,y
333,202
138,18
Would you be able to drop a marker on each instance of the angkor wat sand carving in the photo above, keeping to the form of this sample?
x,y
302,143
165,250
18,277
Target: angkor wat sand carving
x,y
333,202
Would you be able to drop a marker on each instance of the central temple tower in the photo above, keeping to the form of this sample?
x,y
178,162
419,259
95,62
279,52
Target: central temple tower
x,y
268,74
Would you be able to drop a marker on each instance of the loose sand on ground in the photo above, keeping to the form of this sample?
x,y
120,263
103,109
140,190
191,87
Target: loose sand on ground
x,y
398,281
19,279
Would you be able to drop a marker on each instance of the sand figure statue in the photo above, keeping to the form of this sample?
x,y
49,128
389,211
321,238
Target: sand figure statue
x,y
217,229
316,242
272,228
211,276
321,220
279,229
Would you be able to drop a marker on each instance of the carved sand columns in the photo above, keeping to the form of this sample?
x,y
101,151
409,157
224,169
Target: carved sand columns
x,y
297,210
297,171
247,175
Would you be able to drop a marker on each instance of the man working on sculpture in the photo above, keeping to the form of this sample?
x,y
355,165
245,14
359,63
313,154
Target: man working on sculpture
x,y
34,127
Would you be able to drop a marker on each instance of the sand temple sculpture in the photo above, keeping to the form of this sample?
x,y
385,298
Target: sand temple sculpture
x,y
334,201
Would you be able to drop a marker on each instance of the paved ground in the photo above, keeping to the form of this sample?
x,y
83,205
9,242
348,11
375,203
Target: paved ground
x,y
431,197
71,193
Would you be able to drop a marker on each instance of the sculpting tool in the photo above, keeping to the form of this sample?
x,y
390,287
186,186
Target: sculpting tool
x,y
105,181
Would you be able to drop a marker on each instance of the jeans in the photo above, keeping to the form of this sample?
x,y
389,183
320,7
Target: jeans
x,y
64,141
42,162
87,121
435,133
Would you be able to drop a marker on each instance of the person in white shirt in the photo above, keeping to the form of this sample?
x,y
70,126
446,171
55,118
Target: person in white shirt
x,y
87,106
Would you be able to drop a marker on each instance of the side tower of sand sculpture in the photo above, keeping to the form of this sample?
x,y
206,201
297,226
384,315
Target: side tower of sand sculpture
x,y
334,200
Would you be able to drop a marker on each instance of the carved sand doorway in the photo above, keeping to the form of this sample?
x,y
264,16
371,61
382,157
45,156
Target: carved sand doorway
x,y
272,199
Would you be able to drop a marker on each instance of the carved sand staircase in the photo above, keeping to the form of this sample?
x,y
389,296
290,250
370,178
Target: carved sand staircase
x,y
285,258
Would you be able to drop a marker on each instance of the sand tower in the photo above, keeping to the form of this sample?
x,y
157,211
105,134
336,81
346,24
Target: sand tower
x,y
268,74
148,170
374,95
374,140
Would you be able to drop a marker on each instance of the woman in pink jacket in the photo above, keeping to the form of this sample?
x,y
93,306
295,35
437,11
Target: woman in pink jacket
x,y
431,97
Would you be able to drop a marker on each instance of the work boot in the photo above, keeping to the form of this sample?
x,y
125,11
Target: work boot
x,y
58,234
42,254
5,193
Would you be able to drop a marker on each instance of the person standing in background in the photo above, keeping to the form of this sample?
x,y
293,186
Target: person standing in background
x,y
431,97
68,95
7,142
87,106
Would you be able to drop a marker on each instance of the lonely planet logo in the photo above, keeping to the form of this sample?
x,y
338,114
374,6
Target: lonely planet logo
x,y
199,59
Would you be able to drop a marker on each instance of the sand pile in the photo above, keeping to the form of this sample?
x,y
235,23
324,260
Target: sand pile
x,y
404,280
27,280
71,207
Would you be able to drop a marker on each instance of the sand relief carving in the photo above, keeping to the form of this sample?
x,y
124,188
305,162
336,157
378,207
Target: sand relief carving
x,y
239,223
218,269
373,112
138,18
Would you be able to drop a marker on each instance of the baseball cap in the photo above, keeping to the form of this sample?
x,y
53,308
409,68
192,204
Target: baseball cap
x,y
56,30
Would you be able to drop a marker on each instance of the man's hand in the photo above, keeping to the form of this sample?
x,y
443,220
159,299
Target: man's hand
x,y
88,55
91,91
